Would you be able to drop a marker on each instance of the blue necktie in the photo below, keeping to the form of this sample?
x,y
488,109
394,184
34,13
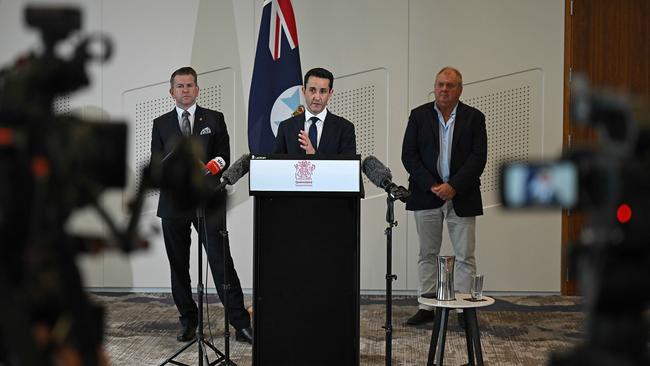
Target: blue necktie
x,y
313,132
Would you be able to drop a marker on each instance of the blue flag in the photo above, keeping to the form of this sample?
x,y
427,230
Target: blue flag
x,y
277,79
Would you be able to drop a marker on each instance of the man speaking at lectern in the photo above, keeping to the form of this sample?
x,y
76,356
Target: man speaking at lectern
x,y
209,129
317,131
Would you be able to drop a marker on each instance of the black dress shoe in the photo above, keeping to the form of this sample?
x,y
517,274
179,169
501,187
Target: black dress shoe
x,y
187,334
244,335
421,317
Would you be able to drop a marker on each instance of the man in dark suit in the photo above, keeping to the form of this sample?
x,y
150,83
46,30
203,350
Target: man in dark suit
x,y
208,128
444,152
317,131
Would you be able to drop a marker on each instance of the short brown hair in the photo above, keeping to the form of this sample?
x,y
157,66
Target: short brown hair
x,y
184,71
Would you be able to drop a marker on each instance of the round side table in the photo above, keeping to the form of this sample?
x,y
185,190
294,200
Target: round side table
x,y
472,336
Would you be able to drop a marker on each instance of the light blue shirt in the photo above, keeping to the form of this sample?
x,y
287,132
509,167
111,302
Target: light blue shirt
x,y
446,132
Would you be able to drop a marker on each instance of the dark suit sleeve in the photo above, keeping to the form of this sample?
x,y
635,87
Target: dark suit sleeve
x,y
220,145
470,172
411,156
157,148
281,139
348,139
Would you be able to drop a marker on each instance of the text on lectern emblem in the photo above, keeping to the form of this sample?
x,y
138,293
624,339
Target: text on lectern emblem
x,y
304,171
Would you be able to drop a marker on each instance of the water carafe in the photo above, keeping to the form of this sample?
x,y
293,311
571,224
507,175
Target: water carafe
x,y
446,278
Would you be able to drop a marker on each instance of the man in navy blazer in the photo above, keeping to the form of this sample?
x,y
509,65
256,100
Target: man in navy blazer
x,y
445,151
208,128
317,131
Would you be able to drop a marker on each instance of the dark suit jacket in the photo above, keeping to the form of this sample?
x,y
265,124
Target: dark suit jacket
x,y
468,156
214,140
337,136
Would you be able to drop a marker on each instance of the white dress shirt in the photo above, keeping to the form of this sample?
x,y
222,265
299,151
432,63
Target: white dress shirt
x,y
319,124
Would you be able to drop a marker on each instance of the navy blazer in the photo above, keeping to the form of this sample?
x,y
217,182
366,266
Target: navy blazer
x,y
210,132
468,157
337,137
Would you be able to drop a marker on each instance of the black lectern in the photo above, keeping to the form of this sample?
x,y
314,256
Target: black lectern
x,y
306,259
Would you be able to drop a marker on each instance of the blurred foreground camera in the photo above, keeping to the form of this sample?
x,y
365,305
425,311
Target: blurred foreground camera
x,y
540,185
610,183
50,165
54,23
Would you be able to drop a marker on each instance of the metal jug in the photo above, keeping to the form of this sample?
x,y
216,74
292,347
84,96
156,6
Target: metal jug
x,y
446,278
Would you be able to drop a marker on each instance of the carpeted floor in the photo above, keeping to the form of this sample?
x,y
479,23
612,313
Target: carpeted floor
x,y
141,330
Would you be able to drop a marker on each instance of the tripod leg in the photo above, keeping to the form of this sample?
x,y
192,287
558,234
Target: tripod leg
x,y
203,353
172,357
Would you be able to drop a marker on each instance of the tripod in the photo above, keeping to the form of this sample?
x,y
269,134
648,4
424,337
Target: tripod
x,y
203,344
390,277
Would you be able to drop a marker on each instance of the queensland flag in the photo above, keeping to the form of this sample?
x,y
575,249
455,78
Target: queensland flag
x,y
276,86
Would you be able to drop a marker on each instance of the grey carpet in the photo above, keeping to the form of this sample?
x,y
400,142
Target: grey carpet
x,y
141,330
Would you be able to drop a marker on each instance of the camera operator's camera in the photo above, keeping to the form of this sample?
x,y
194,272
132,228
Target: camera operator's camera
x,y
50,165
610,183
539,185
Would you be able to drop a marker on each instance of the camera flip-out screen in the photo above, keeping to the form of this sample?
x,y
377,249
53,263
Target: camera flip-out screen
x,y
539,185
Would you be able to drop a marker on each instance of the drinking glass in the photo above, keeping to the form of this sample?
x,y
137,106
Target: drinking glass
x,y
477,287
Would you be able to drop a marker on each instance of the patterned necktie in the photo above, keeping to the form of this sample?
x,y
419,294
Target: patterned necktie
x,y
313,132
185,125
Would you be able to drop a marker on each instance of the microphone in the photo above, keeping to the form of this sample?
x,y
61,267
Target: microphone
x,y
381,176
235,171
299,110
214,166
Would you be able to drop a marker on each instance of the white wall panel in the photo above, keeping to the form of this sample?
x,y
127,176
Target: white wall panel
x,y
512,105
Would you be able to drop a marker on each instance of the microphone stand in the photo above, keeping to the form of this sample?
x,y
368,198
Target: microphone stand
x,y
226,289
390,277
202,342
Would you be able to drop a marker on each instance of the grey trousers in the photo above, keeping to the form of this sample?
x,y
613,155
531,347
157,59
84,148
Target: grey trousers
x,y
462,232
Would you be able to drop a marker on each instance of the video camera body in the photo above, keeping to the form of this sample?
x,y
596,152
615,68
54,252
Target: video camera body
x,y
50,165
610,183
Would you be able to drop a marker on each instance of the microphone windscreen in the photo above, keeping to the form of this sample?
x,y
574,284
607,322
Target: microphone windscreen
x,y
377,172
237,170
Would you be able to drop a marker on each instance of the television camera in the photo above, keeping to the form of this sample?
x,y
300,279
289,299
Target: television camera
x,y
51,165
609,181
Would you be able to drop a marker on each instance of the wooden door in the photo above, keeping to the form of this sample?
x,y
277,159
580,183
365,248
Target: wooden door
x,y
609,42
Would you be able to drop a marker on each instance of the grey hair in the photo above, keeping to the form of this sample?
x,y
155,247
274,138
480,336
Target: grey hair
x,y
454,70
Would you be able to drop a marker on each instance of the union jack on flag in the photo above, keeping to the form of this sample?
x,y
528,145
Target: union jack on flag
x,y
282,21
277,78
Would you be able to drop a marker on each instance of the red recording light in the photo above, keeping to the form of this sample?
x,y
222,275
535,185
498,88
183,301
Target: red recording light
x,y
6,136
624,213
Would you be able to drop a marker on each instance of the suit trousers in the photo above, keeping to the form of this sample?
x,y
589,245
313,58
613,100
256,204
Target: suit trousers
x,y
177,235
462,232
